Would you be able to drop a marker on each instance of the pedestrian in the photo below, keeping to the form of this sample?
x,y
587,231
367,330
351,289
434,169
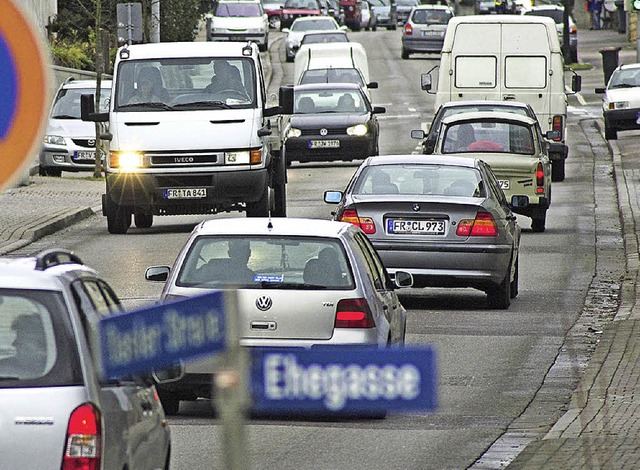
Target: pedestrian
x,y
595,8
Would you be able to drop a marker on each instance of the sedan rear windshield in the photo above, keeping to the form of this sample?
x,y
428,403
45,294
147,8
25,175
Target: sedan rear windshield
x,y
37,347
266,263
489,136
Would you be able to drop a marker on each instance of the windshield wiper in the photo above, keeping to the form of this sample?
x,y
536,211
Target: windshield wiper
x,y
624,85
157,105
65,116
289,285
203,104
7,378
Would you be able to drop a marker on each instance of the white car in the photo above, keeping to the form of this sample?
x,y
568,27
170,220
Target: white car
x,y
300,283
302,26
69,143
621,101
240,20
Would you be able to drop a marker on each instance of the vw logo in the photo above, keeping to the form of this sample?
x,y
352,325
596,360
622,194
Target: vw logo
x,y
91,142
264,302
323,132
416,207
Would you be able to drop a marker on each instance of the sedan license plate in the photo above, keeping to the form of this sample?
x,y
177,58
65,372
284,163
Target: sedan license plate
x,y
185,193
418,227
504,184
324,144
82,155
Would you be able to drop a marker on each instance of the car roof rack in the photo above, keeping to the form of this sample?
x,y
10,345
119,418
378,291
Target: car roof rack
x,y
55,257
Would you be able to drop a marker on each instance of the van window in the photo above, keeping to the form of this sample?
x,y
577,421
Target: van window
x,y
476,71
525,72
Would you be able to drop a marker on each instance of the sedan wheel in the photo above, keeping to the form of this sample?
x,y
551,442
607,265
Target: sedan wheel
x,y
610,132
499,297
514,283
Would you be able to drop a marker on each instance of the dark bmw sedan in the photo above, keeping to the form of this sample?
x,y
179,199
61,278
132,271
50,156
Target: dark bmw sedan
x,y
330,122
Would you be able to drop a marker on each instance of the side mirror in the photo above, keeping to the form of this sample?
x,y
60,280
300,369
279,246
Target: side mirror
x,y
265,130
157,273
519,201
88,110
379,110
576,83
372,85
600,90
552,135
332,197
286,99
418,134
425,82
403,279
272,111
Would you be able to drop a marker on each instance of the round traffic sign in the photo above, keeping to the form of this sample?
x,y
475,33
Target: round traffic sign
x,y
24,90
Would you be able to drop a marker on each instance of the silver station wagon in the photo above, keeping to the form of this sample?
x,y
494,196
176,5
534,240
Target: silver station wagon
x,y
301,283
56,410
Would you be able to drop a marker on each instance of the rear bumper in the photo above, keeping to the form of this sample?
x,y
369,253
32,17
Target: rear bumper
x,y
418,44
623,119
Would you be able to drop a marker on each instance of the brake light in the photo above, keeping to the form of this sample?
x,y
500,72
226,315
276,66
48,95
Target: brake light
x,y
365,223
556,125
540,178
482,226
408,29
84,433
354,313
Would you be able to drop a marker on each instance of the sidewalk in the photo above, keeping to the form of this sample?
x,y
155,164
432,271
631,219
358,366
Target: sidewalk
x,y
600,430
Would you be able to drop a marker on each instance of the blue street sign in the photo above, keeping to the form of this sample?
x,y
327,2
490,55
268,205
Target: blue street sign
x,y
156,337
343,380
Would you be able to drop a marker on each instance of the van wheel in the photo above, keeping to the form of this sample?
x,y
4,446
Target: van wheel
x,y
538,223
118,218
610,132
143,220
514,283
499,297
260,208
557,170
405,54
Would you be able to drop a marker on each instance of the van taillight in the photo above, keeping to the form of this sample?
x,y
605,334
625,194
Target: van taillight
x,y
408,29
84,433
482,226
354,313
556,125
365,223
540,178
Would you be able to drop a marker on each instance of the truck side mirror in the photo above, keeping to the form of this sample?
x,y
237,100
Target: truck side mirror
x,y
286,99
88,110
576,83
425,82
372,85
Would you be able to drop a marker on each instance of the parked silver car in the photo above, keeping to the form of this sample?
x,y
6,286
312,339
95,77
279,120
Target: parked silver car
x,y
57,411
443,219
300,283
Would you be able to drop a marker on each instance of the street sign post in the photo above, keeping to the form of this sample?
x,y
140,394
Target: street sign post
x,y
159,336
24,90
344,380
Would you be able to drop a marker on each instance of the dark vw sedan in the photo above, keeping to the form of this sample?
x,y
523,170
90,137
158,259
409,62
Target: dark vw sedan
x,y
330,121
443,219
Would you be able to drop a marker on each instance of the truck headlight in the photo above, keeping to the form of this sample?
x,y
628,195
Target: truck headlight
x,y
245,157
358,130
53,140
126,160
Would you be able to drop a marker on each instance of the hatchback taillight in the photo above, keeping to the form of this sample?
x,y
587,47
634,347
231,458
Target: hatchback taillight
x,y
540,178
84,433
482,226
365,223
354,313
556,125
408,29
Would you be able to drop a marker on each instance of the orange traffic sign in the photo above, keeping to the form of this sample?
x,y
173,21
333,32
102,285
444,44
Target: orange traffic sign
x,y
24,90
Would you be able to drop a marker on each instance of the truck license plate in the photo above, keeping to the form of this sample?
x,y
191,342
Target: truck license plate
x,y
185,193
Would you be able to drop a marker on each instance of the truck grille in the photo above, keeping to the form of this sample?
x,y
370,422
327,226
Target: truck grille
x,y
184,158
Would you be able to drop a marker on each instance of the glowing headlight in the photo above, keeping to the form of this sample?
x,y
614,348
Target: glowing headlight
x,y
237,158
53,140
618,105
359,130
126,160
293,132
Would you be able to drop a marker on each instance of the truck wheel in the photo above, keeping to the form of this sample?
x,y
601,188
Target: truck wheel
x,y
499,297
610,132
538,223
118,218
260,208
143,220
557,170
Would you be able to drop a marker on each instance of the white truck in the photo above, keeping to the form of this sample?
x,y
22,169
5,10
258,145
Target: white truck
x,y
517,59
186,139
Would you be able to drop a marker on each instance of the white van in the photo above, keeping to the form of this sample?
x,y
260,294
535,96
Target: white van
x,y
333,63
188,127
518,59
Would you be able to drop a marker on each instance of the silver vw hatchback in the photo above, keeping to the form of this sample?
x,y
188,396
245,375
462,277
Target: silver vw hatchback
x,y
56,412
301,283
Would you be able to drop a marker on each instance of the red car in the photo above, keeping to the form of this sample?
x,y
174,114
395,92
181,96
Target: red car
x,y
296,8
352,13
273,9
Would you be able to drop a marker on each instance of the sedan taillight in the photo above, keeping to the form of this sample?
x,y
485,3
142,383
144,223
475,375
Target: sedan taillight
x,y
84,433
482,226
540,178
365,223
354,313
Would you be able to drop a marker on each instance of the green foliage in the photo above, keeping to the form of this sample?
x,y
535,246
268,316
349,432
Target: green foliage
x,y
179,19
73,53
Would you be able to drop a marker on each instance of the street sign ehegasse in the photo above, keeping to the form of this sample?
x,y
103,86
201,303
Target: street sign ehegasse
x,y
24,90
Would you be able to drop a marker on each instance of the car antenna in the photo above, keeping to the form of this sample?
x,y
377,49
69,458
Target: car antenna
x,y
269,224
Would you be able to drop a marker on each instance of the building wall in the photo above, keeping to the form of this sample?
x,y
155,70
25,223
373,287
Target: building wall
x,y
41,11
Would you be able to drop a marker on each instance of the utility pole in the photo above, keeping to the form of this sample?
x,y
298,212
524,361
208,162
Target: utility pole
x,y
155,21
97,169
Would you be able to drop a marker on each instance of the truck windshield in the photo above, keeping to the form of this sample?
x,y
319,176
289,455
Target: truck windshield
x,y
185,84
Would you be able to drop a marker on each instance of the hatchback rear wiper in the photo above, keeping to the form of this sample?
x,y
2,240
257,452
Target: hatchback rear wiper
x,y
289,285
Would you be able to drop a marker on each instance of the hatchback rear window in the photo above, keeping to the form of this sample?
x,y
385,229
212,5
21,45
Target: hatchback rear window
x,y
36,343
271,262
